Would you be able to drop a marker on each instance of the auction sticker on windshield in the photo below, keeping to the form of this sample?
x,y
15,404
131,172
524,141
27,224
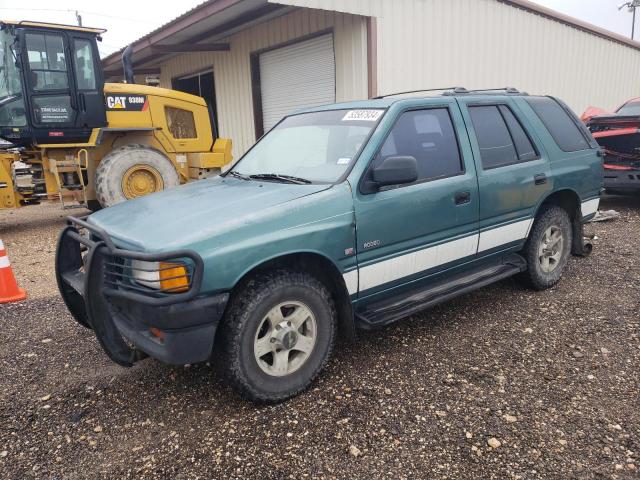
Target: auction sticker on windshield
x,y
363,115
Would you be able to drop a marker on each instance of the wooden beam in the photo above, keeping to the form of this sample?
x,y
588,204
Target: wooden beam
x,y
191,47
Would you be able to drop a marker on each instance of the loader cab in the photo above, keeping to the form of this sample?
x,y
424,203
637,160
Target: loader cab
x,y
51,84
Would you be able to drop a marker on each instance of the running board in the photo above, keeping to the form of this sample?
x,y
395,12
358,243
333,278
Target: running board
x,y
388,311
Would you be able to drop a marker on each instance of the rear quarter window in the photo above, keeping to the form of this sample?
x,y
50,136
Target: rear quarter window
x,y
559,123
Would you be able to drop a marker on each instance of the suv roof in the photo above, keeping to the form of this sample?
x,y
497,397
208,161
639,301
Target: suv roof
x,y
385,101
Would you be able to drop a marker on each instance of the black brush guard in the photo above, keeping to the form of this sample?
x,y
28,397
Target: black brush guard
x,y
89,285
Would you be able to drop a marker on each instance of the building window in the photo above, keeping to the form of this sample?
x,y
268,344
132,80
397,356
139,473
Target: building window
x,y
501,138
180,123
429,137
561,126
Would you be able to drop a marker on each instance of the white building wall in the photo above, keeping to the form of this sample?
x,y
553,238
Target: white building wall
x,y
232,69
488,43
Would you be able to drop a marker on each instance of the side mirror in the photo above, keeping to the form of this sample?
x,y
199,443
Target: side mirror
x,y
395,171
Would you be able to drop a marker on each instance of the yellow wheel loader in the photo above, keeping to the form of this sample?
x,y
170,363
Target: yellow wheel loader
x,y
67,134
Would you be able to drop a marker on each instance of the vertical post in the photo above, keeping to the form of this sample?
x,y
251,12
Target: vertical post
x,y
79,18
633,25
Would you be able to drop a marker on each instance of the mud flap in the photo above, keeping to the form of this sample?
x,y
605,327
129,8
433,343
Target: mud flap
x,y
580,247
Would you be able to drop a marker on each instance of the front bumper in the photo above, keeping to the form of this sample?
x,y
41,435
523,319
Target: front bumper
x,y
131,321
621,180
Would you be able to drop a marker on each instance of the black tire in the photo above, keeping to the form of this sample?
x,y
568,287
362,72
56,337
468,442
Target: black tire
x,y
240,329
113,167
535,276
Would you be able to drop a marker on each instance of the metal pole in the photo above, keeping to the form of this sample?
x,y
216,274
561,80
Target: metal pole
x,y
79,18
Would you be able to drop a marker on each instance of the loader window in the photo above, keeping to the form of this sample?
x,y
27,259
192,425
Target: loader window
x,y
47,61
85,71
180,122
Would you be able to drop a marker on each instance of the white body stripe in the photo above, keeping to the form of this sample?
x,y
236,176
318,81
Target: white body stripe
x,y
1,245
351,280
590,206
4,262
502,235
398,267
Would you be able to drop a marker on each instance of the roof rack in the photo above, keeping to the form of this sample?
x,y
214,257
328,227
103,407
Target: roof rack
x,y
418,91
488,91
450,91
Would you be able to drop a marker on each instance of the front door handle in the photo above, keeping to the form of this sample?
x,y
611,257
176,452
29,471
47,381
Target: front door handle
x,y
540,179
462,197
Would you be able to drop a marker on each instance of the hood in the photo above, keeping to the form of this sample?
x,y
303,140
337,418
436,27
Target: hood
x,y
182,216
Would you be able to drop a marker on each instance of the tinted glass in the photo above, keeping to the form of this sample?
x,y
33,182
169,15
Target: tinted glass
x,y
53,109
47,61
429,137
560,125
85,71
525,149
180,122
496,145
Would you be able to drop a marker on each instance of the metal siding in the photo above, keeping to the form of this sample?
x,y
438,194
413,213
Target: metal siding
x,y
486,43
297,76
232,70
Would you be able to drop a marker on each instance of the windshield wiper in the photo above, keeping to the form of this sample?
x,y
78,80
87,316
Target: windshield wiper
x,y
239,175
280,177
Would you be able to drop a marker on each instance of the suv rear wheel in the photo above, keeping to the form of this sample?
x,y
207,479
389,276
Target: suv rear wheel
x,y
277,335
548,248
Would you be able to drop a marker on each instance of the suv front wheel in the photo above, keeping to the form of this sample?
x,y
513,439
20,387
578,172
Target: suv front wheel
x,y
548,248
277,335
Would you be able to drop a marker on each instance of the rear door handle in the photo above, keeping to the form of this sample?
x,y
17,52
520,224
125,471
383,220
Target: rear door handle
x,y
540,179
462,197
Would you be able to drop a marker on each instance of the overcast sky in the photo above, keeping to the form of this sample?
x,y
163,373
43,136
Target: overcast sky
x,y
127,20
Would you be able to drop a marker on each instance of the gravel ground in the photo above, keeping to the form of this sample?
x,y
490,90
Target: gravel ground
x,y
501,383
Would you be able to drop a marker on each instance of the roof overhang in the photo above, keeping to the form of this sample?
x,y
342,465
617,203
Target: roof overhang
x,y
198,30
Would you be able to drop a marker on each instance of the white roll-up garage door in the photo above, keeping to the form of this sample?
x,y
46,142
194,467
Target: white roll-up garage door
x,y
297,76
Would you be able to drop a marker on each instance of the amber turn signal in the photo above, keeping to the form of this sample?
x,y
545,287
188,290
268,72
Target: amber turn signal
x,y
173,277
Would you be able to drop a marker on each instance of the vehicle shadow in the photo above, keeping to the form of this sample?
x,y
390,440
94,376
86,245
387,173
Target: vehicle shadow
x,y
620,202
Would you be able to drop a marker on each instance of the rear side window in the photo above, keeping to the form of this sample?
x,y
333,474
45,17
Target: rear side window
x,y
561,126
501,138
429,137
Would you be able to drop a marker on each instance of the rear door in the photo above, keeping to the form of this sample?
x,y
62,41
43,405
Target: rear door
x,y
513,172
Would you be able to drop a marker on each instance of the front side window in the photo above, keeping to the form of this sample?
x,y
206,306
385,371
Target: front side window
x,y
429,137
316,146
85,71
47,62
562,128
501,138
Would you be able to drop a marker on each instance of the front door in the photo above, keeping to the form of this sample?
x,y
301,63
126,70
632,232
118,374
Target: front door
x,y
408,233
64,85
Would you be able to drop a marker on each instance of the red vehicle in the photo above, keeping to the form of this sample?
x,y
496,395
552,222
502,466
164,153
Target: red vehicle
x,y
619,135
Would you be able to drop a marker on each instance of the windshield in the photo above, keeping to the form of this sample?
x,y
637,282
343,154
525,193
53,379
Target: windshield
x,y
631,108
12,113
317,147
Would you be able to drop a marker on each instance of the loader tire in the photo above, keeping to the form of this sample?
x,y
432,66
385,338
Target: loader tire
x,y
133,171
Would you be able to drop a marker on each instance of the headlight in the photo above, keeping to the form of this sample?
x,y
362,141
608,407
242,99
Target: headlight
x,y
170,277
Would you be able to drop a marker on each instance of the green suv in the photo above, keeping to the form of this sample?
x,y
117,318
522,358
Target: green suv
x,y
342,217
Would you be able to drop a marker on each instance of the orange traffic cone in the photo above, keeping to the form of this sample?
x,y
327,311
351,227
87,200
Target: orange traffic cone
x,y
9,291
